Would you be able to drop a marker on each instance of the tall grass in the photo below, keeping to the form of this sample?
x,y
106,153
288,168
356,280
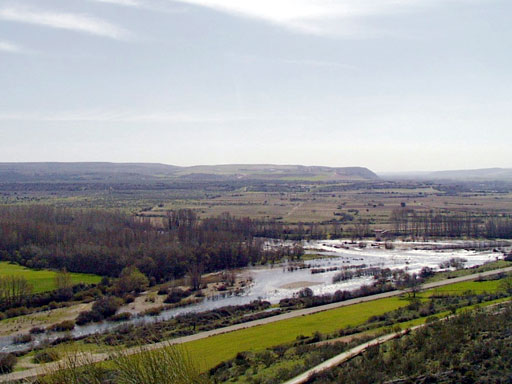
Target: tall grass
x,y
75,368
167,365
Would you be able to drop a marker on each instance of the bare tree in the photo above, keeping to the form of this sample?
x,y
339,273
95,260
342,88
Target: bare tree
x,y
13,290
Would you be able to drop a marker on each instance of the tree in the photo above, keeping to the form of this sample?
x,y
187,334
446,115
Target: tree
x,y
131,280
64,283
506,285
13,290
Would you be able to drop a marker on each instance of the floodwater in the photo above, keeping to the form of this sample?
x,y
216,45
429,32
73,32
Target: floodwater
x,y
273,283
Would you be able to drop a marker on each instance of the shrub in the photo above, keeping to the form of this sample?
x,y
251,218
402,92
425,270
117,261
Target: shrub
x,y
45,357
7,362
23,339
107,306
131,280
175,296
128,298
64,326
14,312
163,291
121,316
153,311
37,330
88,317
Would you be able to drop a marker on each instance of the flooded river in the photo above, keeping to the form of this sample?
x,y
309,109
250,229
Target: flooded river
x,y
273,283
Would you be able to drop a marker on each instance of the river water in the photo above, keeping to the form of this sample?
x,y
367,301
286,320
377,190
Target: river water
x,y
273,283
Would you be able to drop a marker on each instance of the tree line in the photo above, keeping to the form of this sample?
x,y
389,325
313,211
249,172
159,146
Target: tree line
x,y
105,242
410,222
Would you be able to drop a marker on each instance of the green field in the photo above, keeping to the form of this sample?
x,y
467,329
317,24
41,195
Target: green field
x,y
459,288
43,280
213,350
465,272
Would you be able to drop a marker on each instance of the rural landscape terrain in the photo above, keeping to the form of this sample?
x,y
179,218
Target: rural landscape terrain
x,y
138,273
255,192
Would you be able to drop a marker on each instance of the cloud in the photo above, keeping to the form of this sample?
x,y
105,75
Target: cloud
x,y
8,47
292,61
116,116
126,3
68,21
315,16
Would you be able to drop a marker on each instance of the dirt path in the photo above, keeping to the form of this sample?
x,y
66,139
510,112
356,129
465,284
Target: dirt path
x,y
30,373
353,352
342,357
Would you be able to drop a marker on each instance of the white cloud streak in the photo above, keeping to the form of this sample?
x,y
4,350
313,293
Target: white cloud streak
x,y
125,3
69,21
9,47
103,116
315,16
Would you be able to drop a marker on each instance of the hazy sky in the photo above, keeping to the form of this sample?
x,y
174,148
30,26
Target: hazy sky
x,y
394,85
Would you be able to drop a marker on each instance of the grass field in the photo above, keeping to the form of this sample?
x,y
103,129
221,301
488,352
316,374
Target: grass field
x,y
213,350
465,272
43,280
459,288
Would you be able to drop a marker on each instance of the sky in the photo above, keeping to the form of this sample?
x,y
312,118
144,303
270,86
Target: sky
x,y
392,85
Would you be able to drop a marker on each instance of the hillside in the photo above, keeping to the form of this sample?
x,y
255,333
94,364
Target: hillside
x,y
144,172
483,174
474,174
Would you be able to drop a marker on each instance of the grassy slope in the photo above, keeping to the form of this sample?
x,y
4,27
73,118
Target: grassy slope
x,y
470,271
213,350
43,280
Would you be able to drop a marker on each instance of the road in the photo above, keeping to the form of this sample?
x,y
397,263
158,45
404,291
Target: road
x,y
342,357
88,359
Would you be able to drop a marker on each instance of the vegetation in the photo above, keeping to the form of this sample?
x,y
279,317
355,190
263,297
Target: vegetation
x,y
471,347
211,351
166,365
408,221
104,243
43,280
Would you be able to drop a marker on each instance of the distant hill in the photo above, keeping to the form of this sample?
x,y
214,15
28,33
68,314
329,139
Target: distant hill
x,y
474,174
147,172
484,174
283,172
93,171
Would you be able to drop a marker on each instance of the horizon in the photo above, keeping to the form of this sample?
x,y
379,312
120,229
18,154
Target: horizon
x,y
398,86
397,172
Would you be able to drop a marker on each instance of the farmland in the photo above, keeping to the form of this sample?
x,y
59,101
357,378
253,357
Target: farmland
x,y
213,350
43,280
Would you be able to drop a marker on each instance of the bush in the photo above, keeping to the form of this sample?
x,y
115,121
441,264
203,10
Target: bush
x,y
121,316
175,296
7,362
163,291
131,280
128,298
23,339
88,317
37,330
42,357
153,311
14,312
64,326
107,306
